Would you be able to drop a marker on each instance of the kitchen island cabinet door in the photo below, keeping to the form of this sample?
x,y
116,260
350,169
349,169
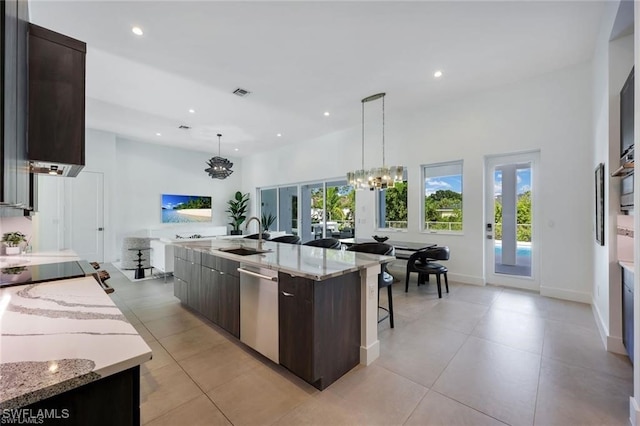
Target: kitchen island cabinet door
x,y
195,300
230,303
210,294
295,314
627,312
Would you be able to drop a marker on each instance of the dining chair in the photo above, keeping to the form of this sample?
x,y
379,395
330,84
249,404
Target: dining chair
x,y
289,239
330,243
422,263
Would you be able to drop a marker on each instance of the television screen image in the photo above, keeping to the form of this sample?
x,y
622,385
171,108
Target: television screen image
x,y
185,208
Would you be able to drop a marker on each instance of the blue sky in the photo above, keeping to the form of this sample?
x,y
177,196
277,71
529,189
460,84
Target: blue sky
x,y
454,182
523,177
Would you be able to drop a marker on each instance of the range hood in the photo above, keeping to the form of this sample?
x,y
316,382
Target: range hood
x,y
55,169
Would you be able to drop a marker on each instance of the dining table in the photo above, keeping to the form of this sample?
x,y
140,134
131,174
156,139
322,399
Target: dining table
x,y
402,247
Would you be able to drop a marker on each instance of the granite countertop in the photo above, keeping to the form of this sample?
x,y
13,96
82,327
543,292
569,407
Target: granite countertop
x,y
304,261
38,258
56,336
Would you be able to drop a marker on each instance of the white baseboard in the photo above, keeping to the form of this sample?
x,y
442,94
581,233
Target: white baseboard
x,y
559,293
634,411
611,343
466,279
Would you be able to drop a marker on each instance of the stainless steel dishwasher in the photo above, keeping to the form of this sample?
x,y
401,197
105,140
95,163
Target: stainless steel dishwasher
x,y
259,310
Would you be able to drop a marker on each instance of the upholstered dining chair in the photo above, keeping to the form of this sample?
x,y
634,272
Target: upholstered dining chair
x,y
422,263
289,239
385,279
330,243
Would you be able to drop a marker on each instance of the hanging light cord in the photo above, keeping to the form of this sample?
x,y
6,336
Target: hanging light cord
x,y
383,162
219,136
363,135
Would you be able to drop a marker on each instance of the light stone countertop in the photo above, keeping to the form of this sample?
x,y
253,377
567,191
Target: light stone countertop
x,y
629,266
299,260
56,336
37,258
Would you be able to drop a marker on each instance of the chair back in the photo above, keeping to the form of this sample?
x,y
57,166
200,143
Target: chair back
x,y
265,236
289,239
437,253
330,243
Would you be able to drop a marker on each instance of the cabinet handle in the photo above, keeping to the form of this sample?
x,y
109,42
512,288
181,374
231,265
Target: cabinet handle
x,y
257,275
284,293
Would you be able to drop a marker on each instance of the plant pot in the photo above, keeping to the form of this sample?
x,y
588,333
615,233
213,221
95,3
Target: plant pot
x,y
235,232
12,250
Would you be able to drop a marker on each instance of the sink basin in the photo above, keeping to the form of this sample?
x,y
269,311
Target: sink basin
x,y
242,251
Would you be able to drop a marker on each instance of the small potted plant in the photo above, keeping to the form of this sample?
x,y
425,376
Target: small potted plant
x,y
13,240
237,211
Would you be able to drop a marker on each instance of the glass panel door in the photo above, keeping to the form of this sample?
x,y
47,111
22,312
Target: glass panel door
x,y
288,209
312,207
269,209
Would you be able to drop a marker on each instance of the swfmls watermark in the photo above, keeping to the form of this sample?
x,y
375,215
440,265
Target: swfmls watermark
x,y
30,416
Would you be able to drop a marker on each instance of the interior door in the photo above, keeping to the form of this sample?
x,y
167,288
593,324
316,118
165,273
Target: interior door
x,y
511,245
86,224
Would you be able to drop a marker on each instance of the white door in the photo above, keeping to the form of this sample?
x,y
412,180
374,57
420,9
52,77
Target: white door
x,y
86,215
511,243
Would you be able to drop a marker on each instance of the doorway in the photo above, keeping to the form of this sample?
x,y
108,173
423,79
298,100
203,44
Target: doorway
x,y
511,245
86,217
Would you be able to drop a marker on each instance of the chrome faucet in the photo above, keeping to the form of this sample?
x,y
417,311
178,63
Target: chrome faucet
x,y
259,229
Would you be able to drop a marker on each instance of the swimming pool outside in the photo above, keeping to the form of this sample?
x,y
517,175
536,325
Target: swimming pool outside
x,y
522,248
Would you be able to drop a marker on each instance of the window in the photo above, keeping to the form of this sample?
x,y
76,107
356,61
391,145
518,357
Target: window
x,y
443,197
392,206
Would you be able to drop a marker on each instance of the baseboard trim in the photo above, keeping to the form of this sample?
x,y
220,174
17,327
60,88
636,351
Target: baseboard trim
x,y
369,354
602,328
559,293
466,279
634,411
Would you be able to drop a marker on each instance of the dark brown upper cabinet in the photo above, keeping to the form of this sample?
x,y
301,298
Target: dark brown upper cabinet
x,y
56,136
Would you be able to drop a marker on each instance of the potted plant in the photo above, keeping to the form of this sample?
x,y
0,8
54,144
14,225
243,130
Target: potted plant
x,y
267,221
12,240
237,209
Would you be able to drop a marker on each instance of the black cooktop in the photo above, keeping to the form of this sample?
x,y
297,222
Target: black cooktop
x,y
32,274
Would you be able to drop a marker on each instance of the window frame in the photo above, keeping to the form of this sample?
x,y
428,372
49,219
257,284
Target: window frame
x,y
378,203
423,177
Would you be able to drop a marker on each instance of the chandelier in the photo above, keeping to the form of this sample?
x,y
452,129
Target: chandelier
x,y
219,168
378,177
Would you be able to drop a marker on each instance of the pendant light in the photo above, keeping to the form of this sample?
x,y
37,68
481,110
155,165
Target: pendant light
x,y
378,177
219,168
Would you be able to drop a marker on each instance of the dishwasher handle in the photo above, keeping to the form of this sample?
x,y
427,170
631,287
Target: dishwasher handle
x,y
255,274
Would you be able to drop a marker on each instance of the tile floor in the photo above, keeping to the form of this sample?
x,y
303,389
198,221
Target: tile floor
x,y
478,356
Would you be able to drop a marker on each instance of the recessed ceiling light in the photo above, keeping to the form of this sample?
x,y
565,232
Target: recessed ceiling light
x,y
237,149
326,113
158,134
279,135
137,31
192,111
437,74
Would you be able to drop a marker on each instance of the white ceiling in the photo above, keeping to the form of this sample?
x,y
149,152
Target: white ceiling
x,y
300,59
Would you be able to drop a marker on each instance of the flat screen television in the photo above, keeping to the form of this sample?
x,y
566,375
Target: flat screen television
x,y
626,115
185,208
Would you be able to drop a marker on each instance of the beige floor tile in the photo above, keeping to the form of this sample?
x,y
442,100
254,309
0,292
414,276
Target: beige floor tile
x,y
382,396
218,365
143,300
197,412
164,389
570,395
513,329
260,397
163,327
144,332
583,347
193,341
522,301
495,379
166,309
161,358
484,295
437,410
571,313
323,409
455,315
414,303
420,351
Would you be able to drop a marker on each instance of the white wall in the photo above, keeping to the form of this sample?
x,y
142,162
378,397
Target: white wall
x,y
135,176
550,113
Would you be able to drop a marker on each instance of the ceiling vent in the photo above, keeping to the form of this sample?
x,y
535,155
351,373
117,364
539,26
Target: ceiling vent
x,y
182,126
241,92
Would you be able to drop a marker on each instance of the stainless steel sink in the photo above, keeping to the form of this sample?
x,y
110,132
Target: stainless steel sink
x,y
242,251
